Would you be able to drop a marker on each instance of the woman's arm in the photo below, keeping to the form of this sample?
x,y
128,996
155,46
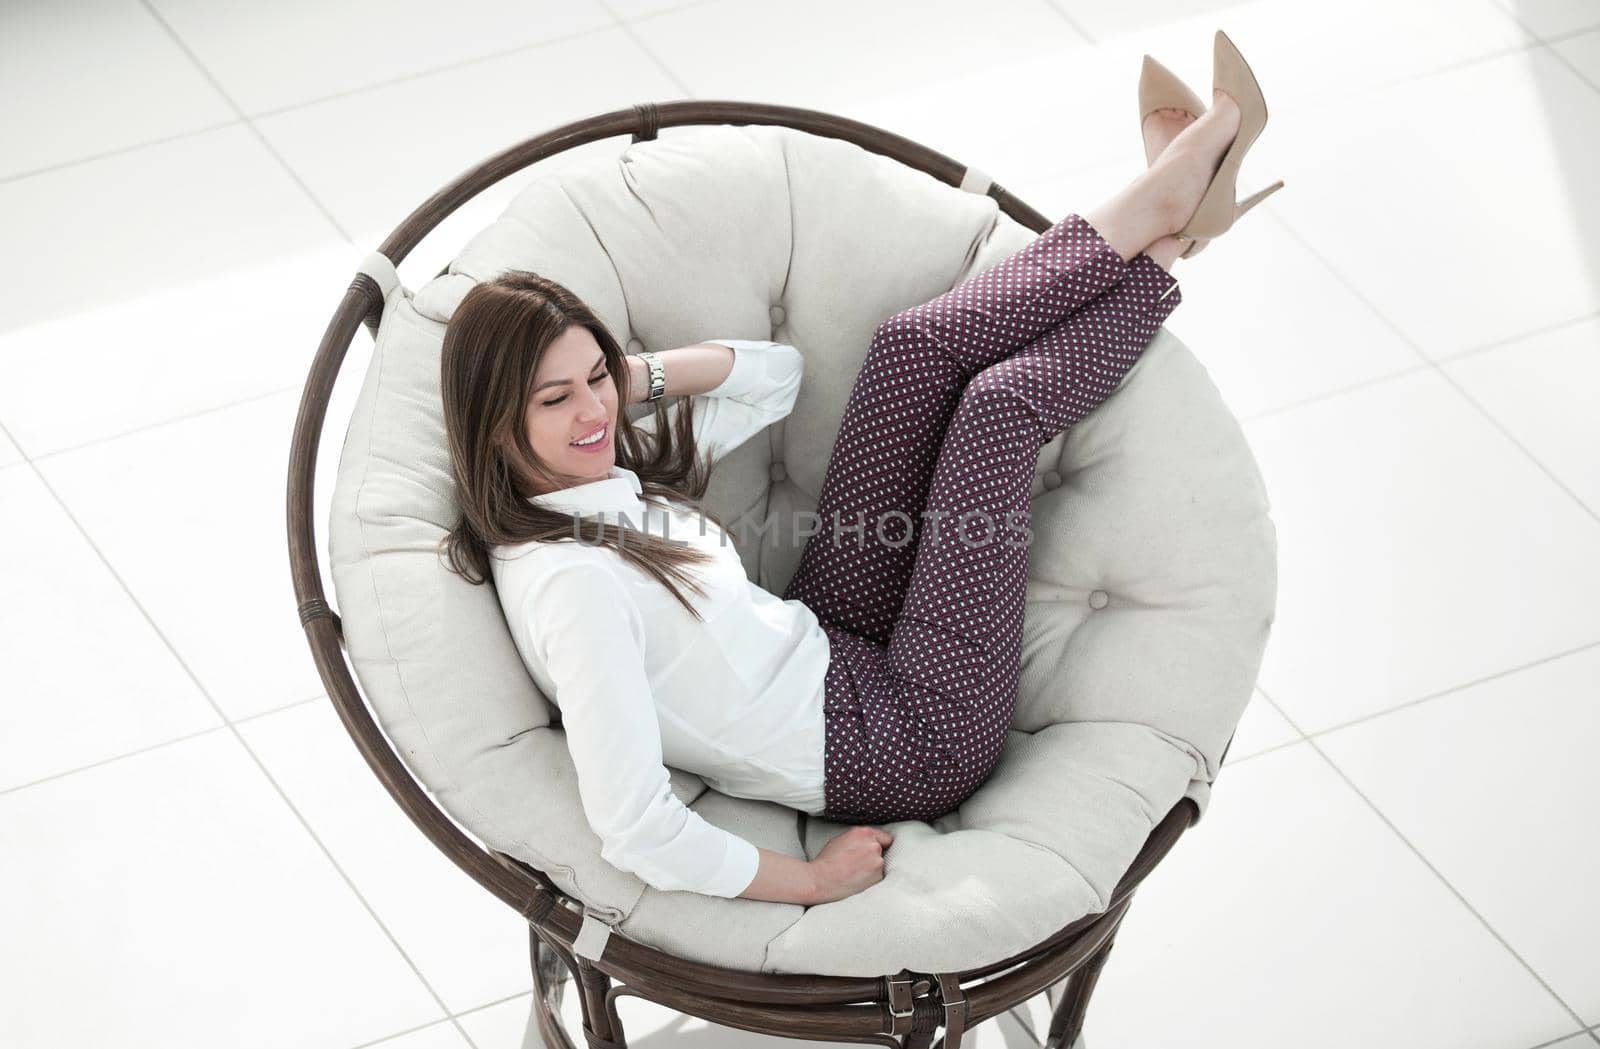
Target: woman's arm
x,y
590,635
783,879
758,389
689,370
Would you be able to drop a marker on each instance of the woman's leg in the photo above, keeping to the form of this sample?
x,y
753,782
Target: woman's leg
x,y
915,726
855,571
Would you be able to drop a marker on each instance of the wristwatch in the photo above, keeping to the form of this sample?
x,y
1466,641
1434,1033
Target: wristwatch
x,y
658,375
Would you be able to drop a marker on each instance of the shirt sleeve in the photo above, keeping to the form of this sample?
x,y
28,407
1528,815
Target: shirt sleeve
x,y
759,390
590,635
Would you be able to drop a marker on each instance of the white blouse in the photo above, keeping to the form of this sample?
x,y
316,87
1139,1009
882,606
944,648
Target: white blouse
x,y
641,684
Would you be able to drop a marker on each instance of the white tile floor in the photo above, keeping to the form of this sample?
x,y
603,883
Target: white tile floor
x,y
1402,851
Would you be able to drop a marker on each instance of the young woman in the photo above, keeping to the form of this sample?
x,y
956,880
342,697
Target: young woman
x,y
881,685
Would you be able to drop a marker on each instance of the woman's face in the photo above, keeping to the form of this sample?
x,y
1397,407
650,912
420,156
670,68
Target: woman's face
x,y
574,397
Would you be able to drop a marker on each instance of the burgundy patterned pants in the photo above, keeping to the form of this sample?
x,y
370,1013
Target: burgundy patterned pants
x,y
917,570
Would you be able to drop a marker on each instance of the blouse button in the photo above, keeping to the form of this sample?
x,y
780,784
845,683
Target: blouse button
x,y
1051,479
777,472
1099,599
777,315
634,345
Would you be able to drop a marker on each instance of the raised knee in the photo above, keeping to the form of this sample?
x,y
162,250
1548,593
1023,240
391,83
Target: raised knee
x,y
897,324
997,386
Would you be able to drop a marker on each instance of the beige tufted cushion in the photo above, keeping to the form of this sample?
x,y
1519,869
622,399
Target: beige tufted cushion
x,y
1152,575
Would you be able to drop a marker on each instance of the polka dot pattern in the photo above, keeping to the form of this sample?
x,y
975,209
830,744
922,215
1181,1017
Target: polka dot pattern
x,y
928,491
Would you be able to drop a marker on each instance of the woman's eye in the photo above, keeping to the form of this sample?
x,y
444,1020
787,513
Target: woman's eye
x,y
558,400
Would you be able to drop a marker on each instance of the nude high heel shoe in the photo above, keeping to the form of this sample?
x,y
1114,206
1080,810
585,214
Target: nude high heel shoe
x,y
1161,88
1218,211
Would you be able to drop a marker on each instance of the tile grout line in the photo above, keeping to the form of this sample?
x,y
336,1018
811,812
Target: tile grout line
x,y
638,42
1325,395
1338,275
1505,431
113,759
1560,38
106,154
1556,38
238,736
1072,23
579,34
498,1001
338,229
250,125
377,1043
64,773
1441,693
1312,104
247,120
1563,1038
1437,873
229,726
1435,366
182,417
1400,80
1531,333
626,26
449,1016
1442,362
5,434
1263,752
1266,413
421,74
350,92
1303,736
261,766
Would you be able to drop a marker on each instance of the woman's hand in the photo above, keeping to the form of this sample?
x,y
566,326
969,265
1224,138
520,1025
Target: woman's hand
x,y
850,862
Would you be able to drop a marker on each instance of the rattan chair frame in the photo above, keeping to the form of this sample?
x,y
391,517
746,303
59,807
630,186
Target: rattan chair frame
x,y
903,1010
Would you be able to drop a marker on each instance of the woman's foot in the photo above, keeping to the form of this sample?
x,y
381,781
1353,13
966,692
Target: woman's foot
x,y
1160,128
1144,215
1190,158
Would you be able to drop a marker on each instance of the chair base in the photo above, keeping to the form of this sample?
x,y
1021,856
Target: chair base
x,y
553,966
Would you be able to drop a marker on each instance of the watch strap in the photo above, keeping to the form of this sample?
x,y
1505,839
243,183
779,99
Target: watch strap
x,y
658,375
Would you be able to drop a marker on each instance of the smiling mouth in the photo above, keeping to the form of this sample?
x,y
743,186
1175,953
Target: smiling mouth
x,y
591,439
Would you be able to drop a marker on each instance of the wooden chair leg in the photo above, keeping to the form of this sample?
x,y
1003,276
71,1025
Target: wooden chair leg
x,y
551,971
1066,1025
924,1025
598,1027
533,1036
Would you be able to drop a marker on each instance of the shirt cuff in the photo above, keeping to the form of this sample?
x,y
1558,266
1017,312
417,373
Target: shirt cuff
x,y
740,863
749,365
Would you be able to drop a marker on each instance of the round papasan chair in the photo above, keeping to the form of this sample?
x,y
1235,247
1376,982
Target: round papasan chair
x,y
1151,591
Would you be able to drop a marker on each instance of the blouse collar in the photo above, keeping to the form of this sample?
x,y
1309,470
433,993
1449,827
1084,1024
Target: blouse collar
x,y
618,491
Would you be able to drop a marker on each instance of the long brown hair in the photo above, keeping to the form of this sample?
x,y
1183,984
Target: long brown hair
x,y
491,353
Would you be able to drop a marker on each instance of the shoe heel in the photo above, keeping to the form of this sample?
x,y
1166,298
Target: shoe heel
x,y
1217,210
1199,243
1255,198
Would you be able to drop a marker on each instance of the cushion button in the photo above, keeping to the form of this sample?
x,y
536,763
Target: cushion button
x,y
777,472
1099,599
1051,479
634,345
777,315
